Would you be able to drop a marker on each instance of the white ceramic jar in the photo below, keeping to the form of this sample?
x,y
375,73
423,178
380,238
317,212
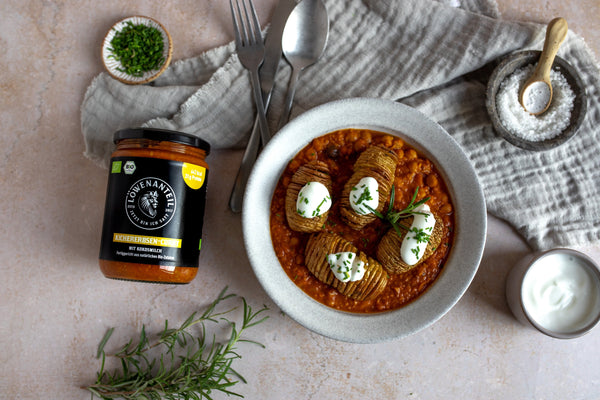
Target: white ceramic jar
x,y
556,292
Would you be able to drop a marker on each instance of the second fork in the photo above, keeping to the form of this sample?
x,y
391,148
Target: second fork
x,y
251,52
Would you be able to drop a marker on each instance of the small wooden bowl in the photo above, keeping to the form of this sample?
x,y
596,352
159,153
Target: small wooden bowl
x,y
519,60
112,66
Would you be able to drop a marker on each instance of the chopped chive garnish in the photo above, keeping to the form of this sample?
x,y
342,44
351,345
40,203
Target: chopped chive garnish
x,y
139,48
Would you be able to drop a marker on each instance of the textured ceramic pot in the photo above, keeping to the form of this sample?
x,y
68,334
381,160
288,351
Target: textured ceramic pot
x,y
520,60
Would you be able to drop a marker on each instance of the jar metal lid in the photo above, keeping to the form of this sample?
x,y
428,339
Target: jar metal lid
x,y
162,135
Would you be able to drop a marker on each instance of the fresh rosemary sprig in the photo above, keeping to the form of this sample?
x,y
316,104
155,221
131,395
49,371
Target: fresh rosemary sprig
x,y
186,366
393,217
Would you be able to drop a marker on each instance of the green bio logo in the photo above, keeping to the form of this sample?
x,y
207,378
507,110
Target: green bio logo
x,y
116,167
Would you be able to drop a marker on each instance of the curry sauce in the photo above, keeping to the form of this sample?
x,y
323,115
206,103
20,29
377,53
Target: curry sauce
x,y
340,150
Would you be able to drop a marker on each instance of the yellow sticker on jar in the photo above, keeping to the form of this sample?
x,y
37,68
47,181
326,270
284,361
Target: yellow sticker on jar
x,y
193,175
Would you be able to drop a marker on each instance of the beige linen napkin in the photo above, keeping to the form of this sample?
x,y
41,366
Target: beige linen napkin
x,y
420,52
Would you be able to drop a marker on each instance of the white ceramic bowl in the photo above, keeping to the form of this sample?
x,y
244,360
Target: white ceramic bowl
x,y
424,135
553,293
112,66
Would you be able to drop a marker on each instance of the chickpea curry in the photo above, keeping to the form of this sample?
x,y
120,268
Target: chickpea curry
x,y
357,251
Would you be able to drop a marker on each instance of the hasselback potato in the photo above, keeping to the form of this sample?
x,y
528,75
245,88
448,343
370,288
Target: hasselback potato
x,y
315,171
389,248
321,245
377,162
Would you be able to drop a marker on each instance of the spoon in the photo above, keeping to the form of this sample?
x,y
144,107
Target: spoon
x,y
536,94
303,42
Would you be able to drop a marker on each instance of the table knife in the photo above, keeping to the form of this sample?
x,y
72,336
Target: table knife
x,y
268,70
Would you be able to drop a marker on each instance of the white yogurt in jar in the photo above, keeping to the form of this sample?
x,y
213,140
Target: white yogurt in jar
x,y
561,294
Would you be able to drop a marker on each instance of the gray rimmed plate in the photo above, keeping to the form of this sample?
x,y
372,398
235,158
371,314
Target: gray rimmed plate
x,y
424,135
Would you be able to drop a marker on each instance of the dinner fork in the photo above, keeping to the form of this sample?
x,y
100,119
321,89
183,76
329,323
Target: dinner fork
x,y
251,52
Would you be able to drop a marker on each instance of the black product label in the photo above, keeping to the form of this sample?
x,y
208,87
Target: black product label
x,y
154,212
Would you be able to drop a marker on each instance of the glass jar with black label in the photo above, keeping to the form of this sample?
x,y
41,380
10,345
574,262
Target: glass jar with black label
x,y
154,209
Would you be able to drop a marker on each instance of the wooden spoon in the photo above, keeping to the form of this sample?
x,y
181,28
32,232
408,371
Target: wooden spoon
x,y
536,94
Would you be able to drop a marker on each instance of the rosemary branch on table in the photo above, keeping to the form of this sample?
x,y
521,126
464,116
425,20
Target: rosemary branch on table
x,y
187,366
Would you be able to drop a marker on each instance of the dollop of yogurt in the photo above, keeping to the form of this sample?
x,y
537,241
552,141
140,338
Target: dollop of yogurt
x,y
346,266
416,239
313,200
365,196
560,294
